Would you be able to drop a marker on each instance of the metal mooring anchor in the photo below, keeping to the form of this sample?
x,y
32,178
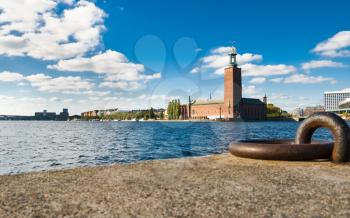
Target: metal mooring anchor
x,y
302,148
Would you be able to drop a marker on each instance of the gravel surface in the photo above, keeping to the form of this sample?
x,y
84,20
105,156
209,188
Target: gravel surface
x,y
211,186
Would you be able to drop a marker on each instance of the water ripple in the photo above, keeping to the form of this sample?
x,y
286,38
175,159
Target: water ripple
x,y
34,146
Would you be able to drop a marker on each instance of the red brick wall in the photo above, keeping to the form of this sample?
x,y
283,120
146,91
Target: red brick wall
x,y
232,89
203,111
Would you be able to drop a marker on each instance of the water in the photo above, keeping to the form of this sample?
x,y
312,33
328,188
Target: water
x,y
27,146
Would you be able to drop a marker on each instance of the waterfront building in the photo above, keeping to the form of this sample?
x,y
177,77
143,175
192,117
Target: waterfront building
x,y
345,105
233,106
335,101
307,111
93,113
96,113
107,111
44,115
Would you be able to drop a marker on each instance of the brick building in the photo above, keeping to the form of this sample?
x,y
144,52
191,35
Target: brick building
x,y
233,106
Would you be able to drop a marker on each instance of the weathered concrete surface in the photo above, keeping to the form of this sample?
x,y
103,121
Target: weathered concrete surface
x,y
213,186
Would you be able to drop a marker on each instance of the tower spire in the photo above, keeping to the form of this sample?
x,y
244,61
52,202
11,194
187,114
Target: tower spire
x,y
233,54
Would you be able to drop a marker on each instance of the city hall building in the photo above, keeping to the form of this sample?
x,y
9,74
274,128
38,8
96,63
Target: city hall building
x,y
233,106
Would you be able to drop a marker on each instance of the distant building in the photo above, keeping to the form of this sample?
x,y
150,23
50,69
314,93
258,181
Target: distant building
x,y
74,118
307,111
51,115
334,101
45,115
64,115
345,105
93,113
96,113
298,112
311,110
233,106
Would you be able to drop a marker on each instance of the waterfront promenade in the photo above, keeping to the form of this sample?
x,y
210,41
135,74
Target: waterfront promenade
x,y
211,186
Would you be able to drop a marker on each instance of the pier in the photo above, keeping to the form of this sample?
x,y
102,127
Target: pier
x,y
211,186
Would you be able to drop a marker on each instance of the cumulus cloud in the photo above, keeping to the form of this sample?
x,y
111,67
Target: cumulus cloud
x,y
195,70
123,85
276,80
35,28
118,71
336,46
278,96
55,99
111,63
258,80
218,59
346,90
321,64
267,70
7,76
47,83
59,84
306,79
249,90
156,97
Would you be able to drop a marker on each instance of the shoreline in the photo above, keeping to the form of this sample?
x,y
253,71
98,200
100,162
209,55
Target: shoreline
x,y
208,186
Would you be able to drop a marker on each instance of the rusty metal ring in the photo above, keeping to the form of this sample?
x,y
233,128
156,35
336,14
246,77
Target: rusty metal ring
x,y
281,150
333,122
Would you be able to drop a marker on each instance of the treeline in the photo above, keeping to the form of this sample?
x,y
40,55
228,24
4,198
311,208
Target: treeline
x,y
275,112
174,109
150,114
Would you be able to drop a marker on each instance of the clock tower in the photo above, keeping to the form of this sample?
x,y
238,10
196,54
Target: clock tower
x,y
232,86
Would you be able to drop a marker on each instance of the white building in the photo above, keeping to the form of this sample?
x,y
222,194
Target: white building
x,y
333,100
345,104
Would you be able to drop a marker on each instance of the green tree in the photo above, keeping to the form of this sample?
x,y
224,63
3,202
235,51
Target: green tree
x,y
161,115
151,113
178,111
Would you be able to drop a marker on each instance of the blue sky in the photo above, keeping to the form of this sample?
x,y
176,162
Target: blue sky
x,y
131,54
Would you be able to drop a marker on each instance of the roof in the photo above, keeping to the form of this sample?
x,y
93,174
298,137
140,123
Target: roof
x,y
338,92
209,102
344,104
251,101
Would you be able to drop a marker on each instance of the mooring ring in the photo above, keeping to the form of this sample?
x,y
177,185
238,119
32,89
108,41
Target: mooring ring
x,y
338,127
281,150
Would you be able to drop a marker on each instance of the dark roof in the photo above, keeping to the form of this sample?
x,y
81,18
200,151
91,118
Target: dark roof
x,y
251,101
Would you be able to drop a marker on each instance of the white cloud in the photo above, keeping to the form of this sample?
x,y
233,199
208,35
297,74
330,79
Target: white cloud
x,y
276,80
59,84
156,97
113,64
55,99
218,59
346,90
278,96
195,70
321,64
305,79
123,85
35,28
257,80
67,100
118,71
336,46
110,98
267,70
7,76
249,90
